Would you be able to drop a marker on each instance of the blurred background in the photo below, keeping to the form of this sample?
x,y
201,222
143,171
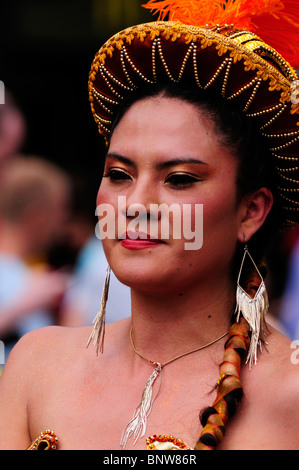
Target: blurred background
x,y
46,54
53,273
47,49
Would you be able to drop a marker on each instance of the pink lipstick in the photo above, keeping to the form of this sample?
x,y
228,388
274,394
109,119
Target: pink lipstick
x,y
139,241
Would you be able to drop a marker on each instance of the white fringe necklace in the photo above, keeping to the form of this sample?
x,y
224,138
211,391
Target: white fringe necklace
x,y
137,426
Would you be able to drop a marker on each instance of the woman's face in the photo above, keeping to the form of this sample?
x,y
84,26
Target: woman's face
x,y
166,151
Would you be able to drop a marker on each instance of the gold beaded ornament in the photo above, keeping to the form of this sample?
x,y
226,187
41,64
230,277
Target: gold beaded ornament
x,y
47,440
165,443
235,63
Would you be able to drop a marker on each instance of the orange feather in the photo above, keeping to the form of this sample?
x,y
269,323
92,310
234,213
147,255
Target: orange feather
x,y
275,21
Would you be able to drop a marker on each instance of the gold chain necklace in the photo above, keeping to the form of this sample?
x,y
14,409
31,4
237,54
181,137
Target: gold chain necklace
x,y
137,425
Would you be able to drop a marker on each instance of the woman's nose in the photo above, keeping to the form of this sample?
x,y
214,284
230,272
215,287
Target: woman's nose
x,y
140,199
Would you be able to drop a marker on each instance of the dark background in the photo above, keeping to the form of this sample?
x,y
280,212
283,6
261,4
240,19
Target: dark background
x,y
47,47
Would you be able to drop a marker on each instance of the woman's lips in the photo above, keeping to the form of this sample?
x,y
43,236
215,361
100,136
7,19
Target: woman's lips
x,y
139,241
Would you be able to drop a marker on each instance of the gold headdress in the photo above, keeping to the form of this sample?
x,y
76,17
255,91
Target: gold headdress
x,y
217,45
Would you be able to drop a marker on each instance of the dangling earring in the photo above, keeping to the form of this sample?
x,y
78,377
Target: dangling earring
x,y
98,332
253,310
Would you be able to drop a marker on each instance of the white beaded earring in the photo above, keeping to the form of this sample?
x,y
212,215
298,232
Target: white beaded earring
x,y
98,332
253,310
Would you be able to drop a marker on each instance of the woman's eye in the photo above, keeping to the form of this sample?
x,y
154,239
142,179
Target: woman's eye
x,y
117,175
181,179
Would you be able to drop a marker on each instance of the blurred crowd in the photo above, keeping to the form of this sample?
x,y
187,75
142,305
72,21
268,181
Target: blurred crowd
x,y
40,284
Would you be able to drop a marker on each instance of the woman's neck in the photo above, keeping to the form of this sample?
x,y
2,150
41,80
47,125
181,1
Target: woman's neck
x,y
162,326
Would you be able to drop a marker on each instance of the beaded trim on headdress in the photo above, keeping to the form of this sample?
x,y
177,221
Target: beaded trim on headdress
x,y
233,62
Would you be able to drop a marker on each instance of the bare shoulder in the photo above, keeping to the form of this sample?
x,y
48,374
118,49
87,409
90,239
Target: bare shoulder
x,y
45,343
283,360
30,360
39,350
51,348
278,365
282,353
268,415
43,362
274,382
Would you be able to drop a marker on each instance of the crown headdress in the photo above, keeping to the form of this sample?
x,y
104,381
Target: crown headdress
x,y
276,21
218,45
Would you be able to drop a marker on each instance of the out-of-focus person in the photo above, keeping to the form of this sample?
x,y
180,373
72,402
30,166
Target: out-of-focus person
x,y
289,305
13,130
83,298
34,201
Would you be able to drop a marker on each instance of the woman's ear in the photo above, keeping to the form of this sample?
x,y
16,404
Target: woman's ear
x,y
255,209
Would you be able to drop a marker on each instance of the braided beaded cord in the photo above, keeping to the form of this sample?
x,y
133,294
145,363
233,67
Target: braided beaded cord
x,y
229,388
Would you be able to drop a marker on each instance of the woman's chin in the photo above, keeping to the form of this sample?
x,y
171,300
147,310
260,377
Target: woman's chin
x,y
145,279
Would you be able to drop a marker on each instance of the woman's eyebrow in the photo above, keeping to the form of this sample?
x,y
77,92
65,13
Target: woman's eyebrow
x,y
161,165
180,161
121,158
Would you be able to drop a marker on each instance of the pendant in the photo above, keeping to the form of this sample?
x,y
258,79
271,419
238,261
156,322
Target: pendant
x,y
137,425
